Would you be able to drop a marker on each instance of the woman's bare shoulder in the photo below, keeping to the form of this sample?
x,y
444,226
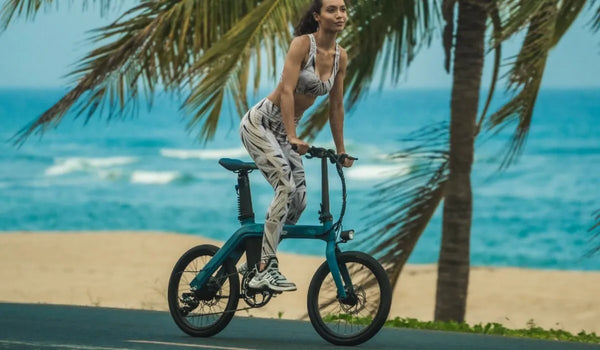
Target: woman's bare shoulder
x,y
301,42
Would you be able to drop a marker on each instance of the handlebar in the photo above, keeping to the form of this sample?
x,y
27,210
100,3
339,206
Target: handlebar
x,y
319,152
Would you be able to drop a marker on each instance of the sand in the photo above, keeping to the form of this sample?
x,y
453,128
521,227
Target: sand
x,y
131,270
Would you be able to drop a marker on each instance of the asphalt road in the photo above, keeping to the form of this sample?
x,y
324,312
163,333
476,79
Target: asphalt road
x,y
26,326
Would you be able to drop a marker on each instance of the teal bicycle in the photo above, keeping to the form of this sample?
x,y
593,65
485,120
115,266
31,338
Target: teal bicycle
x,y
349,297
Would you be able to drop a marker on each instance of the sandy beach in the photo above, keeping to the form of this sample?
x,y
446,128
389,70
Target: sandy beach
x,y
131,270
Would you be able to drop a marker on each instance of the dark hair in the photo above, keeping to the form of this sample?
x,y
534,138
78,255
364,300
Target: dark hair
x,y
308,24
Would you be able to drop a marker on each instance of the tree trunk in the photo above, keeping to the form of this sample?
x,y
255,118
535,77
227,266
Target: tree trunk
x,y
453,268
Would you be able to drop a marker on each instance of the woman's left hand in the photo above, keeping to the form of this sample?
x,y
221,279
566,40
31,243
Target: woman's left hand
x,y
347,161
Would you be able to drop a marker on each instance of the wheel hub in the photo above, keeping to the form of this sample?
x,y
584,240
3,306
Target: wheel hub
x,y
355,301
209,290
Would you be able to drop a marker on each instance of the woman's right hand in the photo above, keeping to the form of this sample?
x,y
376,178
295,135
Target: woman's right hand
x,y
301,146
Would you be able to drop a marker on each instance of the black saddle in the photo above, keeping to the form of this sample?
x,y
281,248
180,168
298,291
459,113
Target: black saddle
x,y
237,165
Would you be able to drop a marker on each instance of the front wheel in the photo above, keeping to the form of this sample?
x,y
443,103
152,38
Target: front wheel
x,y
361,315
206,311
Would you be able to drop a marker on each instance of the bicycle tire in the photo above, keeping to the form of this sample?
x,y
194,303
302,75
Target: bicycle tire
x,y
323,303
224,284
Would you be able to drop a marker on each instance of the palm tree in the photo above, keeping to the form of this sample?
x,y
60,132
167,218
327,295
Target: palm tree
x,y
206,48
453,266
447,174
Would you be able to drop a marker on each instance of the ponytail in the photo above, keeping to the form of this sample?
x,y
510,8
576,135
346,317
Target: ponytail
x,y
308,24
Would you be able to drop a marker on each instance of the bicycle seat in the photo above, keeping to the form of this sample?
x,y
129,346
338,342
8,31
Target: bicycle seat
x,y
236,164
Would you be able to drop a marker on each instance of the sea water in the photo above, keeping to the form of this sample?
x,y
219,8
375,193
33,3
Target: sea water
x,y
149,172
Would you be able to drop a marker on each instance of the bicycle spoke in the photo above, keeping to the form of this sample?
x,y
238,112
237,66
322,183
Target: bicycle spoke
x,y
208,308
349,320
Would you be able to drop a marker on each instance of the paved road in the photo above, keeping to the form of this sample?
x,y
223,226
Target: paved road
x,y
25,326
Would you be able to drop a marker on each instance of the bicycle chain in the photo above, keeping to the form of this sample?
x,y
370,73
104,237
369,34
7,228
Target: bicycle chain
x,y
242,296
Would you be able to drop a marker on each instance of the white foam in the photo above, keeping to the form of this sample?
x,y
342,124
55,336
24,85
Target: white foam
x,y
64,166
204,153
374,172
154,177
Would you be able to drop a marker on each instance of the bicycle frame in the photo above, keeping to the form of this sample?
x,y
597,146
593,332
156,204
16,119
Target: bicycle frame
x,y
235,245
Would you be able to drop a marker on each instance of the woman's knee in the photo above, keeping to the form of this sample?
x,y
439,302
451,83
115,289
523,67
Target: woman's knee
x,y
286,189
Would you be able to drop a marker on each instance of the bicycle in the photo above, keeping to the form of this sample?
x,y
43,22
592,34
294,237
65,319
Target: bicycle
x,y
349,296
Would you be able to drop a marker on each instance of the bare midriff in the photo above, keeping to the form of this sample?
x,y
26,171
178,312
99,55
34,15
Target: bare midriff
x,y
301,102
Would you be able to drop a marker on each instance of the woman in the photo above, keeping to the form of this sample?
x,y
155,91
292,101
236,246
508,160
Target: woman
x,y
315,65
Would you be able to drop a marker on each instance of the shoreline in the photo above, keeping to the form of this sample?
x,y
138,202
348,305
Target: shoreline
x,y
130,269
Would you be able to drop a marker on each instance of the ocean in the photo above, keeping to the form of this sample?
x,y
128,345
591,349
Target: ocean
x,y
149,173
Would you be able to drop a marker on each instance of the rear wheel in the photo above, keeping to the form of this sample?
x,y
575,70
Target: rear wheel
x,y
206,311
361,315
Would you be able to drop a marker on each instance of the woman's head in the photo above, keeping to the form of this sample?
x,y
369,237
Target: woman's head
x,y
329,15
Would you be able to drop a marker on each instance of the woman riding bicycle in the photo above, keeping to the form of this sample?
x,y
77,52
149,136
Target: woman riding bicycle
x,y
314,66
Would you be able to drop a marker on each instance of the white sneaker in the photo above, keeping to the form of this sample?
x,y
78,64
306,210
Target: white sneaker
x,y
271,278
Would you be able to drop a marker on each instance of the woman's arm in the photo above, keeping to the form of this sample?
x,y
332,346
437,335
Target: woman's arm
x,y
336,108
289,79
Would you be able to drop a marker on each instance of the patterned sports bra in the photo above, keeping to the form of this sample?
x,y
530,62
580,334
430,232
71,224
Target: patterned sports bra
x,y
308,80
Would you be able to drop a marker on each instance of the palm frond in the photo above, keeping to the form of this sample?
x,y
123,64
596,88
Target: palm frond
x,y
497,46
596,20
526,74
224,67
386,32
517,15
403,206
568,11
30,8
448,7
153,44
595,231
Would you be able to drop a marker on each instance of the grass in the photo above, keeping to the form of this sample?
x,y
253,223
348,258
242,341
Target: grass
x,y
532,330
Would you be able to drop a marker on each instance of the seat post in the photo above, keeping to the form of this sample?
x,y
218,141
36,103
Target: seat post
x,y
246,216
245,211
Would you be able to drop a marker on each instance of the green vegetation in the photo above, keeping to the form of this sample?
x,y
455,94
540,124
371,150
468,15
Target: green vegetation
x,y
532,331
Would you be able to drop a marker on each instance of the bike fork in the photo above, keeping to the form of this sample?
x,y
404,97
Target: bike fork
x,y
339,272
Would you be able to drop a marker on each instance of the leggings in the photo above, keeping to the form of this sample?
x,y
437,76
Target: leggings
x,y
264,137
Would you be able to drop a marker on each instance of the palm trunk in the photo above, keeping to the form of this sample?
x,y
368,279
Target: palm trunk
x,y
453,268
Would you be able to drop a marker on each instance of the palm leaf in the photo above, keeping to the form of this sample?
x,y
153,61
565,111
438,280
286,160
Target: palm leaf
x,y
568,11
518,15
153,44
29,8
526,74
224,67
497,46
596,20
448,7
403,206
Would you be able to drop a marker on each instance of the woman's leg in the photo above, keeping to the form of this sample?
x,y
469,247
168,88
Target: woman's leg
x,y
266,151
263,134
297,202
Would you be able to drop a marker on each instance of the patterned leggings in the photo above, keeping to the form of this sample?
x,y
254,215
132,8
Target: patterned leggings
x,y
263,134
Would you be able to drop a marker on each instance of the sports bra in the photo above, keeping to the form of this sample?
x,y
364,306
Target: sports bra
x,y
308,80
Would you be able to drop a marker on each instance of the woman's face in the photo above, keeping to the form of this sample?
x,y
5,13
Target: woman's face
x,y
333,15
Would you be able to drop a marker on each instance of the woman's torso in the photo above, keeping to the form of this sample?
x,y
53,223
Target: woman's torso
x,y
325,66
